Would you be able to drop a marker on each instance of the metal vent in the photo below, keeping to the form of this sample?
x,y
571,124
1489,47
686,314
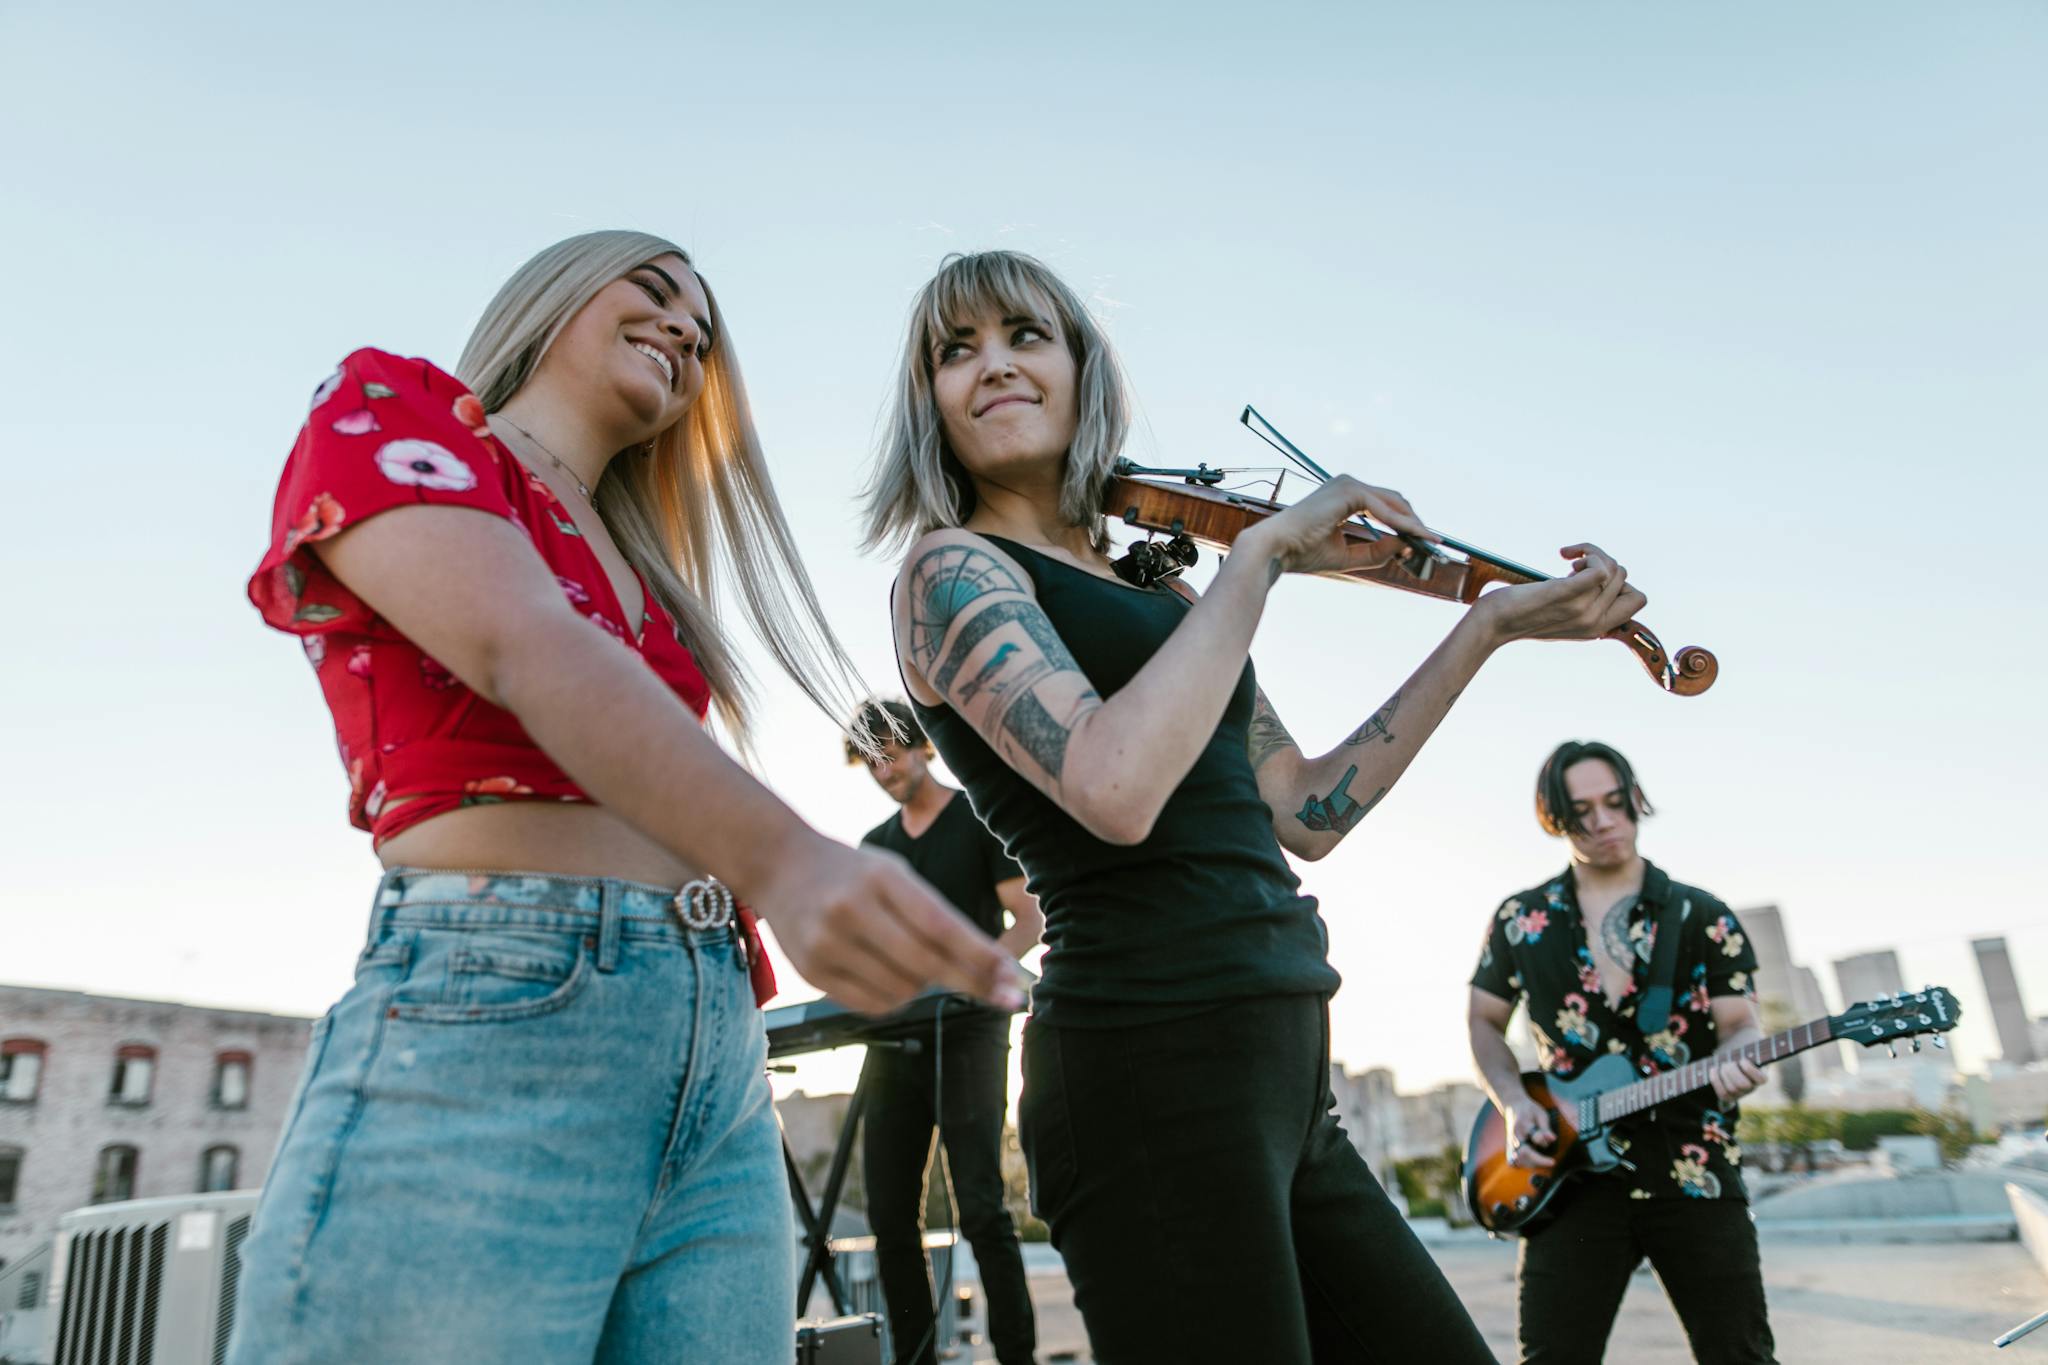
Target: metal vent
x,y
152,1290
230,1278
31,1290
113,1279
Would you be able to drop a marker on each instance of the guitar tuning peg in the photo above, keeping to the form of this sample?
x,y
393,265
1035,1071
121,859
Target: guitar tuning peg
x,y
1941,1042
1916,1045
1892,1048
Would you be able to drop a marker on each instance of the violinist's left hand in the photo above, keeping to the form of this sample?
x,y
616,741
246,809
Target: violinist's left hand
x,y
1587,604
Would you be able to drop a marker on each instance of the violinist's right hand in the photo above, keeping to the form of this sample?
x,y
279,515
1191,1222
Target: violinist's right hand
x,y
1590,602
1309,538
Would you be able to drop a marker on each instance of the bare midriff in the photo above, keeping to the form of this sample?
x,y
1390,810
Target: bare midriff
x,y
571,839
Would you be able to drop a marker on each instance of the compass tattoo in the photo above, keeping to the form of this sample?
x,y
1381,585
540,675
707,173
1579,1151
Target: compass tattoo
x,y
945,582
1375,726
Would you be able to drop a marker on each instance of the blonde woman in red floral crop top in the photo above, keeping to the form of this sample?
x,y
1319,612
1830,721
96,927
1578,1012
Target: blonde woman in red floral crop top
x,y
537,1126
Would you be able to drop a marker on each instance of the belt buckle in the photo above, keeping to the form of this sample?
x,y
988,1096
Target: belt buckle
x,y
705,903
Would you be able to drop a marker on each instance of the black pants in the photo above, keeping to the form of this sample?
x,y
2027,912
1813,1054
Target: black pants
x,y
896,1147
1574,1269
1209,1205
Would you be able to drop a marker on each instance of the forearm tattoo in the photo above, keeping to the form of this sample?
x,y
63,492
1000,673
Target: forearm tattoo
x,y
1375,726
1338,812
1265,736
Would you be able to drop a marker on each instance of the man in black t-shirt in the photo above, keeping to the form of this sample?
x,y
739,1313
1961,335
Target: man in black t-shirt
x,y
961,1063
1577,950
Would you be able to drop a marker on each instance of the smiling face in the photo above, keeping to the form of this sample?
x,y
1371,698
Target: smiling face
x,y
1004,383
639,345
1606,837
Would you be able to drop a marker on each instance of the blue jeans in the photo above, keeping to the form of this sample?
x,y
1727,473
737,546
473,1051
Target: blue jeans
x,y
537,1128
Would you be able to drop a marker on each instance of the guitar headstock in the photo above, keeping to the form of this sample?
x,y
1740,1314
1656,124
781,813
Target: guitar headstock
x,y
1888,1019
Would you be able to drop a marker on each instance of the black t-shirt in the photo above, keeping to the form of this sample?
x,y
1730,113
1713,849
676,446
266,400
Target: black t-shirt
x,y
1537,953
1206,908
959,857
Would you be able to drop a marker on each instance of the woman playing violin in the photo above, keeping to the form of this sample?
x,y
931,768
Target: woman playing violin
x,y
1176,1115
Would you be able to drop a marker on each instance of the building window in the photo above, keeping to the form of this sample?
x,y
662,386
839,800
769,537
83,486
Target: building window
x,y
21,1069
231,1080
31,1291
134,1074
218,1169
10,1175
114,1178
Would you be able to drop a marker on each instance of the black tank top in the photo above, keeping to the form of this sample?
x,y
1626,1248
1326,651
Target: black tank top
x,y
1206,909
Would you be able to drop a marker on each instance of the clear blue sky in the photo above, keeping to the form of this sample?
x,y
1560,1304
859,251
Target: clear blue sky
x,y
1751,294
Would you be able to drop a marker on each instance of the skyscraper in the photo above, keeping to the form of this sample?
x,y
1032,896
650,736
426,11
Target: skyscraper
x,y
1786,994
1866,976
2008,1011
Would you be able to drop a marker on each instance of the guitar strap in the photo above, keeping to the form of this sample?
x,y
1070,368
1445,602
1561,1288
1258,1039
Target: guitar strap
x,y
1655,1011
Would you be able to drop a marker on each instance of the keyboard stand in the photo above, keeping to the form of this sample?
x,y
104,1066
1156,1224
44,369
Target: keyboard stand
x,y
817,1219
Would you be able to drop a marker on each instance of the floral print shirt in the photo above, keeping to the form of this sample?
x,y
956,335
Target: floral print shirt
x,y
388,432
1536,954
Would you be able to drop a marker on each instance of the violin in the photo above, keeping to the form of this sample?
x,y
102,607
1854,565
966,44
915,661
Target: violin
x,y
1190,507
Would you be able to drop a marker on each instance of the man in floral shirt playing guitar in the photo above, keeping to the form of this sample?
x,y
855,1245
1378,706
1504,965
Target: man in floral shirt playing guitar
x,y
1578,950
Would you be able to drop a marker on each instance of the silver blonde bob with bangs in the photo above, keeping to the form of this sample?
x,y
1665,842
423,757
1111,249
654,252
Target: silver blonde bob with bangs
x,y
700,501
918,484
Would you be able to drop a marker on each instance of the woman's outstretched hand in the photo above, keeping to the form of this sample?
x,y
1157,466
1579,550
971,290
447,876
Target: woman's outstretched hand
x,y
866,930
1590,602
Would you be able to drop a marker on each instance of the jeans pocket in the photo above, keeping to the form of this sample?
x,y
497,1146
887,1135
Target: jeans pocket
x,y
469,977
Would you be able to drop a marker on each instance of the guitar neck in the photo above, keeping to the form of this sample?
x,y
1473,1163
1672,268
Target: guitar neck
x,y
1669,1085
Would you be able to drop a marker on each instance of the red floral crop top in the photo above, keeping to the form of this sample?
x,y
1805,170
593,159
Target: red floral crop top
x,y
415,741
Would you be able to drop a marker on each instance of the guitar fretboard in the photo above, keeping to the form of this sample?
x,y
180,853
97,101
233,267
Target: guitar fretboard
x,y
1669,1085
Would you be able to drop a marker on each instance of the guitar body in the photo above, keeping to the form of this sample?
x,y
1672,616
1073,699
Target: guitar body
x,y
1509,1199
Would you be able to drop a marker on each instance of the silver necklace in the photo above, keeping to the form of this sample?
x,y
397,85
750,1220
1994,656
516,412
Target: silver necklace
x,y
581,487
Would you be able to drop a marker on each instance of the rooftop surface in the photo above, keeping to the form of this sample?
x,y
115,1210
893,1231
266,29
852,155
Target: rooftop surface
x,y
1879,1304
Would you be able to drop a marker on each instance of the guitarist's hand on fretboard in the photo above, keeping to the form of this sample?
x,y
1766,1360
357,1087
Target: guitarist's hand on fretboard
x,y
1735,1076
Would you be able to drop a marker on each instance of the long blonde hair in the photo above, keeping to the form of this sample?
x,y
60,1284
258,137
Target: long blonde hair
x,y
701,500
918,483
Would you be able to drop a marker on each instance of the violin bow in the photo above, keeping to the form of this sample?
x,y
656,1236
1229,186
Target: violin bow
x,y
1692,672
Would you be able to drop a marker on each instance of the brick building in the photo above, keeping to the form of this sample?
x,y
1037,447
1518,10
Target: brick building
x,y
104,1098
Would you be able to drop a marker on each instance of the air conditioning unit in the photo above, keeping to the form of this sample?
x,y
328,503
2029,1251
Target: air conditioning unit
x,y
147,1281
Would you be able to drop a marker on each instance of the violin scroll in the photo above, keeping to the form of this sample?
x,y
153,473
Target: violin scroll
x,y
1696,671
1690,674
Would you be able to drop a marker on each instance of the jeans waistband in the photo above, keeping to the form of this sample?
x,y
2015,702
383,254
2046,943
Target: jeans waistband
x,y
611,908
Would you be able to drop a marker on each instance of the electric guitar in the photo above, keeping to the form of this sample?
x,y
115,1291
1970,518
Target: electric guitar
x,y
1508,1199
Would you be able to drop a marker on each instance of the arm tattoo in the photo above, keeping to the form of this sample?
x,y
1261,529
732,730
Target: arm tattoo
x,y
1337,811
1266,736
1025,613
1375,726
988,671
949,581
945,582
1037,733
